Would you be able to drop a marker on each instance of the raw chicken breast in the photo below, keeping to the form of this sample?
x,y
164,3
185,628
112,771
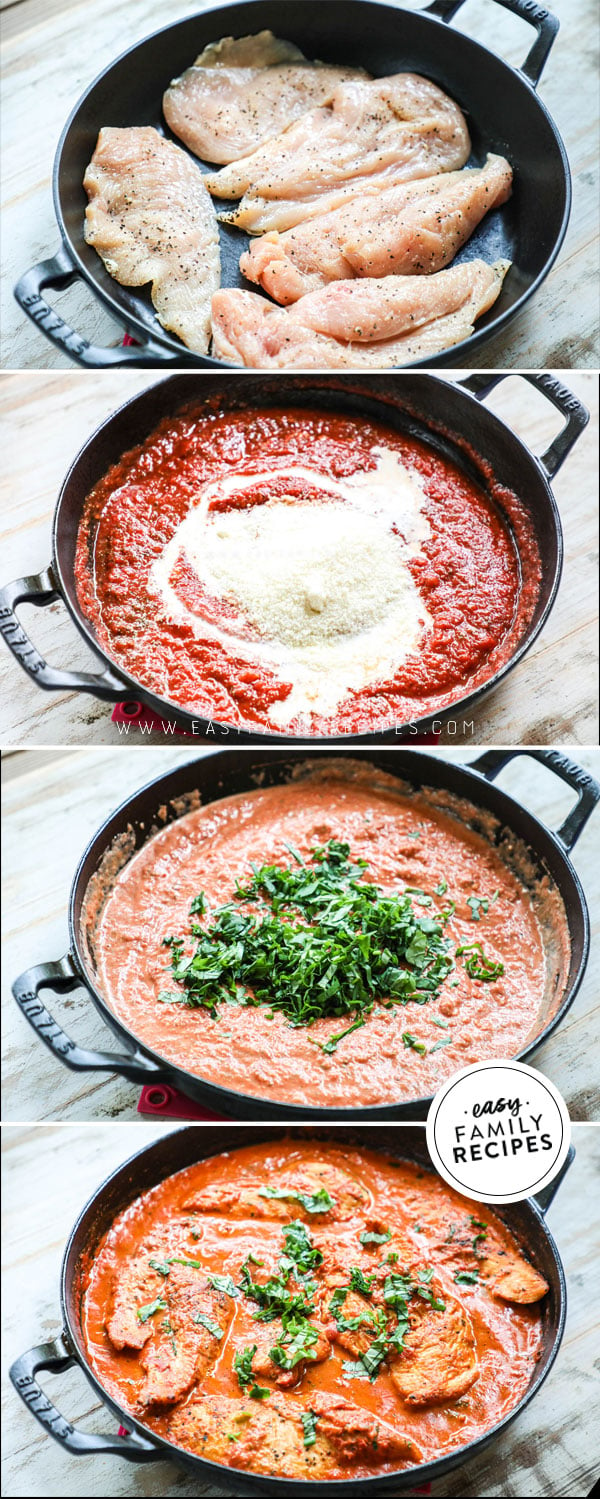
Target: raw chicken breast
x,y
386,131
242,91
365,324
417,227
151,219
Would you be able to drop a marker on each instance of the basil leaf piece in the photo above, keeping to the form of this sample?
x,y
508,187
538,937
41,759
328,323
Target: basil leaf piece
x,y
312,1202
144,1312
309,1426
212,1327
224,1283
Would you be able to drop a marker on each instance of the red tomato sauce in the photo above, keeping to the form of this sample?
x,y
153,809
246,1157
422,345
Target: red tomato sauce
x,y
477,573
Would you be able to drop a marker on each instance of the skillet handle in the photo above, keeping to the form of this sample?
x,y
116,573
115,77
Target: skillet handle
x,y
62,976
546,25
588,790
575,413
547,1194
60,271
56,1357
41,589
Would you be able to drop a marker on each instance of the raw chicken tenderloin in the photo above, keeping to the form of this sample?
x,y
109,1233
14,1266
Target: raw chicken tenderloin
x,y
151,219
416,228
357,324
242,91
386,131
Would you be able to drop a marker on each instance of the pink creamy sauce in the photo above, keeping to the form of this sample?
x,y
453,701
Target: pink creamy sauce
x,y
407,841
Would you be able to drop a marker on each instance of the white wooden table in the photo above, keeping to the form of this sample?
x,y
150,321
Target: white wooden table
x,y
54,48
45,418
50,812
49,1173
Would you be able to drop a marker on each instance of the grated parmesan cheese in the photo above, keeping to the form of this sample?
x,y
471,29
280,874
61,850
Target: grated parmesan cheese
x,y
321,589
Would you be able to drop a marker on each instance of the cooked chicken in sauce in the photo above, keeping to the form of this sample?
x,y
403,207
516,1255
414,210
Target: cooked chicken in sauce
x,y
241,91
294,1308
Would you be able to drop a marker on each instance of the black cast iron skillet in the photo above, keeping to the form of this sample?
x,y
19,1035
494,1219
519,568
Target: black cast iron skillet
x,y
226,773
503,112
526,1220
424,406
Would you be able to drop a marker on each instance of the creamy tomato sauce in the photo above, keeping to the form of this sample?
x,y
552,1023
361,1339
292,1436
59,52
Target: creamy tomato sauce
x,y
302,572
407,841
467,1359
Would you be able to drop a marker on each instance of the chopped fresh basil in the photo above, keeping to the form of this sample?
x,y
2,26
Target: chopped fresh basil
x,y
355,1370
361,1282
443,1041
466,1277
396,1288
162,1267
242,1364
481,1234
347,1324
332,1044
212,1327
369,1363
144,1312
312,1202
433,1301
325,942
299,1249
296,1342
309,1427
273,1297
479,903
373,1238
477,965
416,1045
224,1283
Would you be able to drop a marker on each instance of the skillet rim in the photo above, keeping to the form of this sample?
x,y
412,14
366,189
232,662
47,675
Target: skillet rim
x,y
280,1485
285,1110
445,357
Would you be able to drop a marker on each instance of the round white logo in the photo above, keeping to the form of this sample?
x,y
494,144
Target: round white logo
x,y
498,1131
